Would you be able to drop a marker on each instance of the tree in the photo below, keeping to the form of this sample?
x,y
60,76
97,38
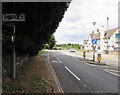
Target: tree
x,y
52,42
46,46
42,19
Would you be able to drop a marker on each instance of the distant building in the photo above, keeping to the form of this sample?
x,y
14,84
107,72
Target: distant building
x,y
113,36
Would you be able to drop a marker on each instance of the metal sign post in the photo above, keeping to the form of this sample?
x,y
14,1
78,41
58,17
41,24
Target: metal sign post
x,y
94,42
14,55
14,17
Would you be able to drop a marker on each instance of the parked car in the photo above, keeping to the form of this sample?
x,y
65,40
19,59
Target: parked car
x,y
72,50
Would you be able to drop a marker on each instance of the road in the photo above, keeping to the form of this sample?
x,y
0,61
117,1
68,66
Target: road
x,y
76,76
111,60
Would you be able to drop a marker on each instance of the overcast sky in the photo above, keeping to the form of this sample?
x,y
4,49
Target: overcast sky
x,y
77,22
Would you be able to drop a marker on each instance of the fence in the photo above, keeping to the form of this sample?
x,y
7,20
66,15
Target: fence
x,y
7,64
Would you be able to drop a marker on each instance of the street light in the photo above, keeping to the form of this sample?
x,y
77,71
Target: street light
x,y
93,44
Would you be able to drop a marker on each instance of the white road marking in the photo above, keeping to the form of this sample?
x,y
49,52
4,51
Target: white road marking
x,y
114,70
84,85
55,77
54,61
72,73
54,55
75,76
112,73
91,64
57,59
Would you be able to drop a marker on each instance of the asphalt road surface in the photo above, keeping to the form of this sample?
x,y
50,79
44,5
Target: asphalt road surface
x,y
76,76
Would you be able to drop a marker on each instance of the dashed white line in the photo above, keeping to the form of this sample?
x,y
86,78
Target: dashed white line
x,y
55,77
72,74
57,59
75,76
84,85
54,55
54,61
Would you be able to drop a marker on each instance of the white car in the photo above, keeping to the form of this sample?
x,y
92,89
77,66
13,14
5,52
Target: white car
x,y
72,50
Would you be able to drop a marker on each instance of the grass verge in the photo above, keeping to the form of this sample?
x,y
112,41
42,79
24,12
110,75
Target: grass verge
x,y
42,51
33,77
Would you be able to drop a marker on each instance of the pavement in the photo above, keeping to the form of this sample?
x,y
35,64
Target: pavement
x,y
76,76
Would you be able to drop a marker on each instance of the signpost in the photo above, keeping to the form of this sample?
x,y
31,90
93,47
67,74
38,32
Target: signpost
x,y
14,17
94,42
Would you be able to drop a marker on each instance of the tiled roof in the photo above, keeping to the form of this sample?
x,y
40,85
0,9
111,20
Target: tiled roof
x,y
110,33
92,36
97,36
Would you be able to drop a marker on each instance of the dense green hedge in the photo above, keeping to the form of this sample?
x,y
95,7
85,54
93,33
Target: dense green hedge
x,y
42,19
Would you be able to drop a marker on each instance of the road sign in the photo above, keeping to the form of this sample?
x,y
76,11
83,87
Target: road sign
x,y
13,17
94,41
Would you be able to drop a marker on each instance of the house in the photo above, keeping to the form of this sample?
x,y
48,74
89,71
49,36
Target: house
x,y
112,36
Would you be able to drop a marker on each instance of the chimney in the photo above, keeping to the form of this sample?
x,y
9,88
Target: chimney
x,y
97,30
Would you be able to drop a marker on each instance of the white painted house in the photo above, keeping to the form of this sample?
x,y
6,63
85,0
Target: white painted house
x,y
112,36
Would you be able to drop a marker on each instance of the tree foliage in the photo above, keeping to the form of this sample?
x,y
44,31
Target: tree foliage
x,y
41,21
68,46
52,42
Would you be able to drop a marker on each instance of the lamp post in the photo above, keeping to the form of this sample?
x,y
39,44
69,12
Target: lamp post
x,y
107,33
93,44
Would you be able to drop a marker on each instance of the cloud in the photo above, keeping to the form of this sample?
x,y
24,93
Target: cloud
x,y
81,13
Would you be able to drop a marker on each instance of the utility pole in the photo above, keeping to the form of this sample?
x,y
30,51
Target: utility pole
x,y
14,55
107,34
93,44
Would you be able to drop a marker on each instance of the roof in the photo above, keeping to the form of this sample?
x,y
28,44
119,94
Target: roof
x,y
97,36
110,33
92,35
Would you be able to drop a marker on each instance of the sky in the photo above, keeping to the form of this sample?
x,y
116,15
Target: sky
x,y
76,24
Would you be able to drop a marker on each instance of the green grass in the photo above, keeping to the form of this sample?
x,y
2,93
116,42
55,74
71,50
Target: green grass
x,y
58,48
84,50
42,51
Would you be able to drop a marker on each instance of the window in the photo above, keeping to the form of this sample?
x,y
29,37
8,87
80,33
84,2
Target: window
x,y
117,37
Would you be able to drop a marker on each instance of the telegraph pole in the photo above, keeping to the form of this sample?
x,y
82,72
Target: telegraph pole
x,y
14,55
